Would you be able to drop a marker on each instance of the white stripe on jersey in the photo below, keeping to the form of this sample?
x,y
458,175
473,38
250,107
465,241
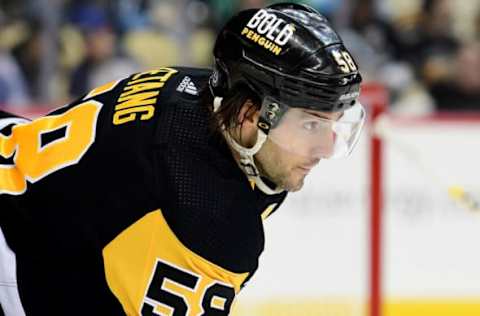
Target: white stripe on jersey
x,y
9,297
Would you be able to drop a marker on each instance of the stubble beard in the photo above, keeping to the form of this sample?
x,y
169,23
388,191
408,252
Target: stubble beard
x,y
271,165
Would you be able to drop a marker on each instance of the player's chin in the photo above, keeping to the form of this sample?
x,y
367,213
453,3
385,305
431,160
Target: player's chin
x,y
294,183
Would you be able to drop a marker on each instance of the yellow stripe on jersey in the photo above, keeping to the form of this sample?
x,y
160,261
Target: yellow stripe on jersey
x,y
102,89
266,213
151,272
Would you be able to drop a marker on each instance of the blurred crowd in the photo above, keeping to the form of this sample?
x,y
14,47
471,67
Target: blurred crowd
x,y
52,51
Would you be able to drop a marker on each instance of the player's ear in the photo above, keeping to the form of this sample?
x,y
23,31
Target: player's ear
x,y
248,113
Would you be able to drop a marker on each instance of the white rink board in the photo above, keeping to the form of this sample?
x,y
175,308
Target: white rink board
x,y
317,243
432,245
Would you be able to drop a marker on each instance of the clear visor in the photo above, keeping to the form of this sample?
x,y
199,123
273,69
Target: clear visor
x,y
316,134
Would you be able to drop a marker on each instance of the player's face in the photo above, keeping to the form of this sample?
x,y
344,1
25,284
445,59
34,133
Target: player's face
x,y
288,168
284,168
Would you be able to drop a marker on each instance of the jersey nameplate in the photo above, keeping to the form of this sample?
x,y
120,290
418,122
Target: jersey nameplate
x,y
139,96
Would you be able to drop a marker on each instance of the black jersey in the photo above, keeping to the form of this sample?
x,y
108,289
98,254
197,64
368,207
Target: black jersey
x,y
125,202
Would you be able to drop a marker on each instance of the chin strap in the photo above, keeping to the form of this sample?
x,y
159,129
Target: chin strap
x,y
246,161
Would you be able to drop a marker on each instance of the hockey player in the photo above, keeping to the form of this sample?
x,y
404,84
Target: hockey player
x,y
146,196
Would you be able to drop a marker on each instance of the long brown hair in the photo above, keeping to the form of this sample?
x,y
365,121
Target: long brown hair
x,y
232,103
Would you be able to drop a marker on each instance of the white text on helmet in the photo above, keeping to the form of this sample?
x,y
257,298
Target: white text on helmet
x,y
269,24
347,96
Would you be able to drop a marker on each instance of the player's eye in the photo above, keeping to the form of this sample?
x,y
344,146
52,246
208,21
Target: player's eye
x,y
311,125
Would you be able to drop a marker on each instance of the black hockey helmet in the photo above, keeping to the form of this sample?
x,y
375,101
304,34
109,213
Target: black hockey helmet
x,y
290,54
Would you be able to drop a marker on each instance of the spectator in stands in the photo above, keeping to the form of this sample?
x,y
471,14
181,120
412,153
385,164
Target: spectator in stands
x,y
377,47
378,32
102,62
436,46
129,15
13,90
28,56
460,91
248,4
477,26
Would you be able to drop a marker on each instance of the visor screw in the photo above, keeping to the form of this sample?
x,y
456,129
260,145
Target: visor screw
x,y
271,115
273,107
264,126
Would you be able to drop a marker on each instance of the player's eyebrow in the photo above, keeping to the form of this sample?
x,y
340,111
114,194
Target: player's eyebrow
x,y
325,116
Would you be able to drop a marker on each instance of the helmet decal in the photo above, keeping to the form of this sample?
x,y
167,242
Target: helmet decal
x,y
268,30
344,60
